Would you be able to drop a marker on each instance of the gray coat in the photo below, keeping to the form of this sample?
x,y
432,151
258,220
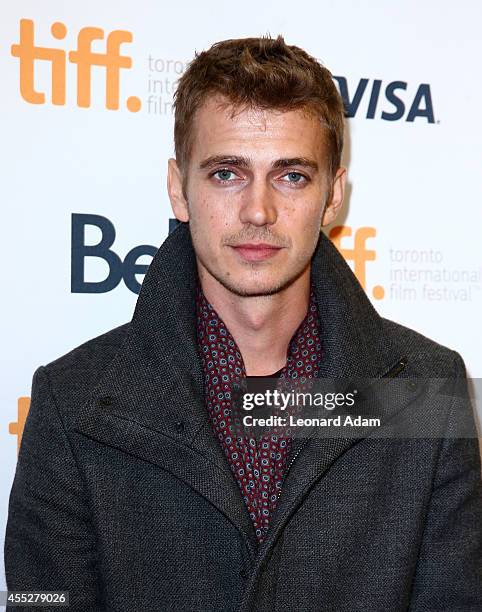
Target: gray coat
x,y
123,497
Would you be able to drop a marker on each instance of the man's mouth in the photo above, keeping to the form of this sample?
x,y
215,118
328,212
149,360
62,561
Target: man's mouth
x,y
256,251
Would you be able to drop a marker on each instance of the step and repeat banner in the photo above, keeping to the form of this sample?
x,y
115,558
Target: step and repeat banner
x,y
87,130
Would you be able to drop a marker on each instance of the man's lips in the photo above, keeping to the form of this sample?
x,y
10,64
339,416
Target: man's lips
x,y
256,252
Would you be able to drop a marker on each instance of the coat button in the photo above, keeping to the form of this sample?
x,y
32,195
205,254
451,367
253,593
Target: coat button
x,y
106,401
180,426
244,574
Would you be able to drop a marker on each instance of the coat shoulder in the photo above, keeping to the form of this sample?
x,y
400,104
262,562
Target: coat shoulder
x,y
73,375
426,357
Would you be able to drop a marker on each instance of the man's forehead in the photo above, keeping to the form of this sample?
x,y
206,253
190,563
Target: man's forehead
x,y
225,111
218,121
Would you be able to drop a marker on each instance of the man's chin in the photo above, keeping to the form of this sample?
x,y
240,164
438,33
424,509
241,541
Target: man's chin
x,y
255,287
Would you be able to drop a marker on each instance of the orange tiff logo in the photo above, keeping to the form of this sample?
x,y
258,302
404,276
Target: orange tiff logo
x,y
84,58
16,427
358,254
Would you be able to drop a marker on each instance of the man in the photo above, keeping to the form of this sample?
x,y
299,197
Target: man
x,y
133,490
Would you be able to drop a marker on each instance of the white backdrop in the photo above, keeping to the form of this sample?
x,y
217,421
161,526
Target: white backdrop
x,y
413,151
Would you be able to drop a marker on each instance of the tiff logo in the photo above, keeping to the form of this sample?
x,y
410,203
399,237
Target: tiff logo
x,y
16,427
84,58
358,254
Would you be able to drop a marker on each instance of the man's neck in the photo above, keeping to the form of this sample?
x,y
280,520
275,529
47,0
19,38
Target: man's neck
x,y
262,326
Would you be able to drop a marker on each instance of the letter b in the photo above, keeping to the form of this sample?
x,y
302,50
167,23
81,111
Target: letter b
x,y
80,251
117,268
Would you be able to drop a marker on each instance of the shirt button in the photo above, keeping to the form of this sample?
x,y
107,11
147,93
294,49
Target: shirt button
x,y
244,574
180,426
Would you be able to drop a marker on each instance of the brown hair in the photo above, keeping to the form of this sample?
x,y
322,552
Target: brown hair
x,y
261,73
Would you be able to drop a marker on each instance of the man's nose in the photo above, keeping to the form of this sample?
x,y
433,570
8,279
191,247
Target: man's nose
x,y
258,205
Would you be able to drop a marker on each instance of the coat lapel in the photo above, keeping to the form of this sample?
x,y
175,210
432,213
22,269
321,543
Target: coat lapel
x,y
154,388
356,348
149,401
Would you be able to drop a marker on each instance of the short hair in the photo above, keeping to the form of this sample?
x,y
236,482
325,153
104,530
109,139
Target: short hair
x,y
261,73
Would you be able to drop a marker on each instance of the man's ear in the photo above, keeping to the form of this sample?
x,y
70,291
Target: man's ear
x,y
175,190
335,199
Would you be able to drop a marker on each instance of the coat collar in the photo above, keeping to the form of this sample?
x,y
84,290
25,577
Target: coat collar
x,y
155,381
163,326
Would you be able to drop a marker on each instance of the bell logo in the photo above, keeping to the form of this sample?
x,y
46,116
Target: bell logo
x,y
84,58
359,254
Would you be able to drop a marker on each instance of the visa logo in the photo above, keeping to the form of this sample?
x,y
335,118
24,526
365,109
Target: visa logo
x,y
388,101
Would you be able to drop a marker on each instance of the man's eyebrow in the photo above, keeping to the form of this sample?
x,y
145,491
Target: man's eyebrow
x,y
296,161
232,160
245,162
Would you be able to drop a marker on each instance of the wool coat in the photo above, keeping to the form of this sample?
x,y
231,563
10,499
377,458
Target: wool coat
x,y
123,497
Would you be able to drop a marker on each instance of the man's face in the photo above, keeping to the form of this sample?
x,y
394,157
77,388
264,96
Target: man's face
x,y
256,188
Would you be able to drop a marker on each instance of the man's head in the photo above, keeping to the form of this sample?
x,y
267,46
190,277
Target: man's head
x,y
258,137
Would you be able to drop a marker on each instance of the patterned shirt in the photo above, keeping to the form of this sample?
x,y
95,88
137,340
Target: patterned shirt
x,y
258,465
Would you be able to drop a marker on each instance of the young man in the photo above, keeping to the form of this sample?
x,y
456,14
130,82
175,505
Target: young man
x,y
134,492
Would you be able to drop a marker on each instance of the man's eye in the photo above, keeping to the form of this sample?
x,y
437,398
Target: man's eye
x,y
295,177
224,175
